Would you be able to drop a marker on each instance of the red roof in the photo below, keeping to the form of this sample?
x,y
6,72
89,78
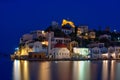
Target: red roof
x,y
60,45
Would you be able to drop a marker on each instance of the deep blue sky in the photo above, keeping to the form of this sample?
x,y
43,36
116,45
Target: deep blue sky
x,y
22,16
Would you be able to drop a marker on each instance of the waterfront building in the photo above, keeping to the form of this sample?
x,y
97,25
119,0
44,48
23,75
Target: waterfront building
x,y
111,52
39,47
114,52
81,52
54,39
33,48
95,52
60,51
117,52
104,52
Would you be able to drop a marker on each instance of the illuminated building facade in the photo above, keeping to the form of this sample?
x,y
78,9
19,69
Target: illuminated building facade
x,y
52,40
84,52
74,38
60,51
92,35
35,42
82,29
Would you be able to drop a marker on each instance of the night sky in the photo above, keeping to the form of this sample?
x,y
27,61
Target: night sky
x,y
18,17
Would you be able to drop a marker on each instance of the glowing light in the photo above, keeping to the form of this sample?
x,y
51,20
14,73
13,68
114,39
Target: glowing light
x,y
43,32
17,70
86,34
115,30
83,51
64,22
105,54
26,70
105,70
44,71
24,52
45,42
113,55
16,48
84,69
112,75
20,70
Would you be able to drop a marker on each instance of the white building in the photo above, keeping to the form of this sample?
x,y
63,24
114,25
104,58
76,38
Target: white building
x,y
117,52
60,51
39,47
111,52
84,52
36,47
114,52
95,52
62,40
26,37
104,53
32,35
52,40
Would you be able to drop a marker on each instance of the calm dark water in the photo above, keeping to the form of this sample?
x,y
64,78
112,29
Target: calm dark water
x,y
59,70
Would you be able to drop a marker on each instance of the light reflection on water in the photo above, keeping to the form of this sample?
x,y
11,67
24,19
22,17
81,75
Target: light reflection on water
x,y
44,71
105,70
21,70
66,70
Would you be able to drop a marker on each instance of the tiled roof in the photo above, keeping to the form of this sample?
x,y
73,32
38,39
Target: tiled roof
x,y
60,45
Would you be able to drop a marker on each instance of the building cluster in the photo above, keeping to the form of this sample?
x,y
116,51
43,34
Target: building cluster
x,y
68,41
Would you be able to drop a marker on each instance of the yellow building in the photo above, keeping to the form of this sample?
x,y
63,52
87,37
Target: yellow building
x,y
71,45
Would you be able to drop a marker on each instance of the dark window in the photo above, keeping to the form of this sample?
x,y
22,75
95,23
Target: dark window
x,y
30,56
35,56
40,56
